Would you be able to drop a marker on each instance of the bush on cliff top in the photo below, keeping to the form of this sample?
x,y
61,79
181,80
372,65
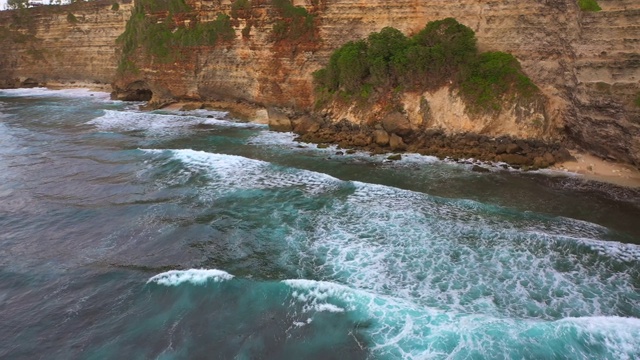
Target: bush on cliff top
x,y
160,34
443,53
589,5
295,22
240,8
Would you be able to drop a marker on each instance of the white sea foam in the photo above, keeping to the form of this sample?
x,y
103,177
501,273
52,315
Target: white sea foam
x,y
236,172
194,276
44,92
114,120
458,254
620,335
403,329
402,253
215,114
286,140
272,138
461,255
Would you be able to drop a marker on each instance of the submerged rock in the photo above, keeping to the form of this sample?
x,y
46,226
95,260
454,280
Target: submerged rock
x,y
480,169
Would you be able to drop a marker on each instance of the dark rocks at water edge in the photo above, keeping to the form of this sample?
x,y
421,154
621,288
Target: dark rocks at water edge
x,y
378,139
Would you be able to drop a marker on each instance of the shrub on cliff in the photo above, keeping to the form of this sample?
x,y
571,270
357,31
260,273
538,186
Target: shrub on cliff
x,y
153,28
385,55
239,8
589,5
490,77
295,22
443,53
71,18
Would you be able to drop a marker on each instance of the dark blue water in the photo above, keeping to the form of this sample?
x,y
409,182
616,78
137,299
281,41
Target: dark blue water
x,y
164,235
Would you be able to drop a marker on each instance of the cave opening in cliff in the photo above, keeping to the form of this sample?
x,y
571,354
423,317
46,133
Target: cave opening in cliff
x,y
138,91
142,95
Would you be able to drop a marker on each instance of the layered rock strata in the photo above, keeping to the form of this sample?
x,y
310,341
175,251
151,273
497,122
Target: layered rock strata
x,y
587,65
61,44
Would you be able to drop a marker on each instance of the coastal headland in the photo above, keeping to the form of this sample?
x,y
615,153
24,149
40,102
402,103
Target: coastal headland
x,y
580,100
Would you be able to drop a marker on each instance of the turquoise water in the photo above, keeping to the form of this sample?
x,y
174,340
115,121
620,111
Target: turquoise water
x,y
192,235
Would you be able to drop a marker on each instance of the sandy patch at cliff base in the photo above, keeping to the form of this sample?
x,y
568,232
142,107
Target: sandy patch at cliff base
x,y
594,168
240,110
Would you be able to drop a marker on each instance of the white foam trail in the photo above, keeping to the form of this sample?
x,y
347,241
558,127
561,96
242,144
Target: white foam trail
x,y
194,276
402,329
454,255
114,120
44,92
286,139
620,335
461,255
236,172
199,113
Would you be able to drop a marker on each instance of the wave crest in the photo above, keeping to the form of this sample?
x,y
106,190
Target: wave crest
x,y
194,276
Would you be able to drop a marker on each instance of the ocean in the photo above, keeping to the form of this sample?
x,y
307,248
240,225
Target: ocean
x,y
193,235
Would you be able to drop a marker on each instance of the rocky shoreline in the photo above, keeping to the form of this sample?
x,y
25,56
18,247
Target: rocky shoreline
x,y
392,137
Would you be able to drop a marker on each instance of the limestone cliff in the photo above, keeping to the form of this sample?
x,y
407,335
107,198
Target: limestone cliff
x,y
61,44
586,64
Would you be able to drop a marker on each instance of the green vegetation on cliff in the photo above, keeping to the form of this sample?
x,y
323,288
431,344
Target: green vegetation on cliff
x,y
295,22
72,18
239,8
158,28
589,5
636,101
443,53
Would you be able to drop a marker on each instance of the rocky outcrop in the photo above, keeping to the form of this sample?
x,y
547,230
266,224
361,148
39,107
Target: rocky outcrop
x,y
518,152
587,65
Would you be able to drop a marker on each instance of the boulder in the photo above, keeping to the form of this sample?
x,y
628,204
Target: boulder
x,y
396,123
394,157
396,143
305,124
279,121
540,162
549,158
361,140
515,159
562,155
381,137
501,149
513,148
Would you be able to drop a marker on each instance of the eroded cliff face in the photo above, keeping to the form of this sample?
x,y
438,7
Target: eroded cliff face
x,y
587,65
61,44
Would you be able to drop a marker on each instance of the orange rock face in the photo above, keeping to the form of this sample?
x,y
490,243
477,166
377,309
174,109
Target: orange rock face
x,y
586,64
